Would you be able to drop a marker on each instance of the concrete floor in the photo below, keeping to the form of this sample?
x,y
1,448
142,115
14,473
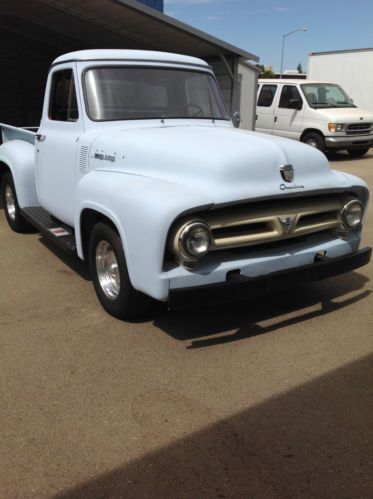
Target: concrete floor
x,y
268,399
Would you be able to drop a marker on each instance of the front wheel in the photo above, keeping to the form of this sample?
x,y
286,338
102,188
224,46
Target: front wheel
x,y
315,140
110,274
11,207
358,153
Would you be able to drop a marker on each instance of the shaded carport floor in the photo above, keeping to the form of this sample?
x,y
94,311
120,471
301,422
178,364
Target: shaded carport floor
x,y
313,441
272,398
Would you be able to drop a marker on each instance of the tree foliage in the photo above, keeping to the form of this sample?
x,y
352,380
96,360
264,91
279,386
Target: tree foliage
x,y
265,72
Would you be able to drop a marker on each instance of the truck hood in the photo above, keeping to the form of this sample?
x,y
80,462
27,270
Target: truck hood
x,y
225,164
346,114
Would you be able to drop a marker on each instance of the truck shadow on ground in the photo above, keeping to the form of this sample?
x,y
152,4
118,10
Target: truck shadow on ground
x,y
238,321
221,324
77,265
315,440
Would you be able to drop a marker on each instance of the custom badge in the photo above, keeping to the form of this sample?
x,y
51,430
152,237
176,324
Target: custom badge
x,y
287,173
288,222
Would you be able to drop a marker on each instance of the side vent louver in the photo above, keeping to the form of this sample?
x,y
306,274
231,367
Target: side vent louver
x,y
83,161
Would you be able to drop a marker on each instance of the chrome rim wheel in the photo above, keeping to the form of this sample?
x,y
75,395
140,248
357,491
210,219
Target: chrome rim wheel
x,y
312,143
107,270
10,202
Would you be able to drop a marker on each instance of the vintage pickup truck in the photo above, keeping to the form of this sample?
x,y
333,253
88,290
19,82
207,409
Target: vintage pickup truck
x,y
138,168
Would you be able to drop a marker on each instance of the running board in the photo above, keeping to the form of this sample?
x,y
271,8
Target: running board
x,y
56,231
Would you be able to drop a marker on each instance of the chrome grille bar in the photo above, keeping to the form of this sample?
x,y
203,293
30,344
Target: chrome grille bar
x,y
251,226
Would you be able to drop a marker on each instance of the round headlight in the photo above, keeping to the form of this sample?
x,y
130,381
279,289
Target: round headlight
x,y
196,239
352,214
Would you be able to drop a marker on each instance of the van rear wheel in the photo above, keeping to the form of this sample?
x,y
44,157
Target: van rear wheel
x,y
110,274
315,140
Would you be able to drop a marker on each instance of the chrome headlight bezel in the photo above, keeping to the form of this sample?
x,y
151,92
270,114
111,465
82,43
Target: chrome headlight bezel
x,y
346,210
184,242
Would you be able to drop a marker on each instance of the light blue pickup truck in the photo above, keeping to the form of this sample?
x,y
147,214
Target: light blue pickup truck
x,y
137,168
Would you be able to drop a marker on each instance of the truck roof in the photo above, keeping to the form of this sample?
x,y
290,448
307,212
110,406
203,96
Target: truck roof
x,y
128,55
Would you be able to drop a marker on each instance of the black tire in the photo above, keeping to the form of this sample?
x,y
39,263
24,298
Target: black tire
x,y
11,207
120,300
315,140
357,153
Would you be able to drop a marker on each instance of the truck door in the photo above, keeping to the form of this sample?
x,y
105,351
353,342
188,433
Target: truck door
x,y
288,118
56,145
265,108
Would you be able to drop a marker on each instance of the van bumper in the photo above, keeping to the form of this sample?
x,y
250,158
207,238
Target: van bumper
x,y
344,142
241,288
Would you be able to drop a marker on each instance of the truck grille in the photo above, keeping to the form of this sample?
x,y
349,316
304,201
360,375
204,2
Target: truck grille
x,y
248,226
359,128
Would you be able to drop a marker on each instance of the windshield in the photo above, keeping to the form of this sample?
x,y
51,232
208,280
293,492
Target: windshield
x,y
326,95
125,93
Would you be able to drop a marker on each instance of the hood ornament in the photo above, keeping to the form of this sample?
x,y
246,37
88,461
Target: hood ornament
x,y
288,222
287,173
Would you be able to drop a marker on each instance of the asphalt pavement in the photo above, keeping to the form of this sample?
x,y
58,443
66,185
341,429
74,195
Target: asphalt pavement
x,y
271,398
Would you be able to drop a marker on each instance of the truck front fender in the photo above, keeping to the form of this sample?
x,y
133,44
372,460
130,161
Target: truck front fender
x,y
142,209
19,157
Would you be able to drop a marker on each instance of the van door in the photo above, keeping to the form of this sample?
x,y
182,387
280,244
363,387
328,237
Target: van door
x,y
266,107
288,117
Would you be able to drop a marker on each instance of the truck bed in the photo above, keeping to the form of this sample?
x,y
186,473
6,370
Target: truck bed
x,y
10,132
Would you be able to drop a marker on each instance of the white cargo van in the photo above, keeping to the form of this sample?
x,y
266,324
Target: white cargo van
x,y
318,113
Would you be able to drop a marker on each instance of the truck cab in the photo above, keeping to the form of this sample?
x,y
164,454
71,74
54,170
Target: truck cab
x,y
317,113
137,168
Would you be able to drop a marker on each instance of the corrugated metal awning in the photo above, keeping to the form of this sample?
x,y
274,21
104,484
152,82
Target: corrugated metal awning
x,y
66,25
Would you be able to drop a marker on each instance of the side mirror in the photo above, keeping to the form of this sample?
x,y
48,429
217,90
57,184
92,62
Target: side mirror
x,y
295,104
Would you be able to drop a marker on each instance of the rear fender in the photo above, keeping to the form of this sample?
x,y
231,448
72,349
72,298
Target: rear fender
x,y
19,157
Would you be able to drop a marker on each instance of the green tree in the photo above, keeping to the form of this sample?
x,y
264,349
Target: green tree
x,y
299,68
265,72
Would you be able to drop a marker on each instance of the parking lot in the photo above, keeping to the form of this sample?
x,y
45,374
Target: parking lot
x,y
267,398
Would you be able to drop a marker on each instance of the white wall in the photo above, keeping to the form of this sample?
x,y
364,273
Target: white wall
x,y
351,70
249,82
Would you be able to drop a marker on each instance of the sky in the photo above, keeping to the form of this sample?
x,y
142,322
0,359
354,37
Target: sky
x,y
258,26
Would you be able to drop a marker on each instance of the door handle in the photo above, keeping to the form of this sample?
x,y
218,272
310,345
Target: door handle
x,y
275,120
40,138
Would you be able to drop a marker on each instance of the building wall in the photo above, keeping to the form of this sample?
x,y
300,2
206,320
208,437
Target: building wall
x,y
24,69
353,71
155,4
247,105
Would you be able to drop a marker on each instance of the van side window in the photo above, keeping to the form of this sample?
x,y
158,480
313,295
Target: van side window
x,y
266,95
63,103
289,93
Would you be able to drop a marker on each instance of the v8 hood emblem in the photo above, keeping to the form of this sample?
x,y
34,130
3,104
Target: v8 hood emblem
x,y
288,222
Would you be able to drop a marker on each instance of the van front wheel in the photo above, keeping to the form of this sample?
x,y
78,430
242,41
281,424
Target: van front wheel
x,y
315,140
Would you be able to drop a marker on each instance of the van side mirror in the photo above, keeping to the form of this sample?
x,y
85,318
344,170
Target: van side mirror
x,y
295,104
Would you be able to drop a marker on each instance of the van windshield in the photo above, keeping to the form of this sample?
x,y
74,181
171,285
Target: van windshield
x,y
133,93
326,95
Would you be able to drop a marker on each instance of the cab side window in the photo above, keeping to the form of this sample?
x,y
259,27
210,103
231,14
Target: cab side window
x,y
289,95
63,103
266,95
